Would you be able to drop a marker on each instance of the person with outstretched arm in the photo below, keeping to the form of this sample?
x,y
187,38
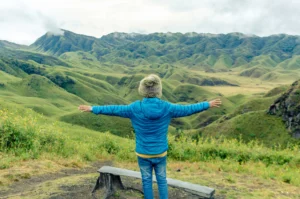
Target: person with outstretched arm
x,y
150,118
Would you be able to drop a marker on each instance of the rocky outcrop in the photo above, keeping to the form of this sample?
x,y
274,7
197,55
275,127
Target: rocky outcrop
x,y
287,106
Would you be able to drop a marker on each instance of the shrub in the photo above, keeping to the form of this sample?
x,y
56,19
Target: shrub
x,y
21,133
60,79
111,147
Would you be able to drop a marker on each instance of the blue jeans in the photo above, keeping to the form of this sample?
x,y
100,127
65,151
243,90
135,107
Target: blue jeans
x,y
159,165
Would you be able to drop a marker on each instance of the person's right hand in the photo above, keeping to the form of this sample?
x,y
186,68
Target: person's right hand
x,y
85,108
215,103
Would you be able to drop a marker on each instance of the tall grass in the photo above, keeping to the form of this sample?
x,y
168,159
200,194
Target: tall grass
x,y
206,149
21,132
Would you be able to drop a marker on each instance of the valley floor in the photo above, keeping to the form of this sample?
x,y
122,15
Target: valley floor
x,y
78,182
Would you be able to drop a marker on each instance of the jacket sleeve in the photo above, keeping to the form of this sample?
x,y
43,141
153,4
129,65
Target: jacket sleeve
x,y
113,110
177,110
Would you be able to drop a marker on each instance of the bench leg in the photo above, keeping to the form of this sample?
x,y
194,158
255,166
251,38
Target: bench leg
x,y
111,183
99,185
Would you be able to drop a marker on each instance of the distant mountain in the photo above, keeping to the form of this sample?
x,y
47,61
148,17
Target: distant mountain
x,y
7,44
218,51
68,42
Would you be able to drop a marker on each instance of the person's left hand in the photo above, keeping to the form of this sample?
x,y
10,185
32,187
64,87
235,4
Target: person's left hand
x,y
85,108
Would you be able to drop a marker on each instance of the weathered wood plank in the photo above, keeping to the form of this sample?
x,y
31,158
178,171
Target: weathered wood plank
x,y
121,172
199,190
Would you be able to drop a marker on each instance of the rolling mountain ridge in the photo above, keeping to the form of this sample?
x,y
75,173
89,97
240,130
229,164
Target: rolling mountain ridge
x,y
205,51
58,72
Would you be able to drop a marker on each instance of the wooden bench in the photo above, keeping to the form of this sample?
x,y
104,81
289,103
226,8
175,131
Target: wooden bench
x,y
111,180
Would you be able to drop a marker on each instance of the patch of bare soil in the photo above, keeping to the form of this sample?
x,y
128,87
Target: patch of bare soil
x,y
26,187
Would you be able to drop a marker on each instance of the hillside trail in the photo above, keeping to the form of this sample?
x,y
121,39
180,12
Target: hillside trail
x,y
76,184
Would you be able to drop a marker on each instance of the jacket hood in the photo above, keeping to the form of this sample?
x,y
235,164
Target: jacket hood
x,y
153,108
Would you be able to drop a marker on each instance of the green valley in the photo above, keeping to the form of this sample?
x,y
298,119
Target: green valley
x,y
41,86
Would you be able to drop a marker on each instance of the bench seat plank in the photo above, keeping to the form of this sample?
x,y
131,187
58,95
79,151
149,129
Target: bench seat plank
x,y
199,190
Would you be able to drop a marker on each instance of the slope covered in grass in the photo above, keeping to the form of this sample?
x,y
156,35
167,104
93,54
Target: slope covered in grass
x,y
255,72
40,94
5,77
116,125
250,120
256,125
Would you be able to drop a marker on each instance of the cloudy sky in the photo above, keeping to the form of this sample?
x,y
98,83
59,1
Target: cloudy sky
x,y
23,21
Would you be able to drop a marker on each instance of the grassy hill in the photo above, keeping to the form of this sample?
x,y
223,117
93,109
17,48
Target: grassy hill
x,y
40,94
58,72
251,126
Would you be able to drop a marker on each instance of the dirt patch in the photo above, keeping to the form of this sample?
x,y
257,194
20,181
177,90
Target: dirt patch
x,y
23,187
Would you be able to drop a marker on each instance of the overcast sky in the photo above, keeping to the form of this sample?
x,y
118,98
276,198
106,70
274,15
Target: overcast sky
x,y
23,21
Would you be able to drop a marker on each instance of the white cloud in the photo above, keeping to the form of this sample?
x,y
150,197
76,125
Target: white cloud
x,y
23,21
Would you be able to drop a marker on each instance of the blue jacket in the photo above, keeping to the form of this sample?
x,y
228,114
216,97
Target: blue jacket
x,y
150,119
